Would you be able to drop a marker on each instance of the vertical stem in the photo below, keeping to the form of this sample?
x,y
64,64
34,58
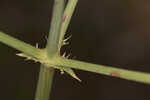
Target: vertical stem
x,y
44,83
46,75
66,19
54,35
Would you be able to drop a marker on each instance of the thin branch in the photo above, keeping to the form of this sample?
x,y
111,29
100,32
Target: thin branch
x,y
53,40
46,75
19,45
66,19
105,70
45,83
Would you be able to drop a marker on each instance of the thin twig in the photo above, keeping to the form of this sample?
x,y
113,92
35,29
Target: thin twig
x,y
137,76
46,75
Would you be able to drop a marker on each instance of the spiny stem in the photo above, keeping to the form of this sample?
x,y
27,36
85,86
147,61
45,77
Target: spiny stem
x,y
53,40
19,45
46,75
100,69
66,19
106,70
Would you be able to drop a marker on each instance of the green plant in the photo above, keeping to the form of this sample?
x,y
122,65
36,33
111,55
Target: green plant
x,y
51,59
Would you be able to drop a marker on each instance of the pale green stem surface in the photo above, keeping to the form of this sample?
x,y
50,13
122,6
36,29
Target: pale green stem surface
x,y
53,40
45,83
66,19
58,61
105,70
19,45
46,75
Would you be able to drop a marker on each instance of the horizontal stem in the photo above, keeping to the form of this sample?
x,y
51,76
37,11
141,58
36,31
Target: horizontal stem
x,y
58,61
106,70
19,45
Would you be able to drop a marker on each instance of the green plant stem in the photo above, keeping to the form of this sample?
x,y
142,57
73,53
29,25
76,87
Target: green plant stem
x,y
44,83
53,40
46,75
66,19
105,70
19,45
59,61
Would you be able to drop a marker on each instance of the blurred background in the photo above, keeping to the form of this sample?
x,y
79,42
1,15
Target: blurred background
x,y
109,32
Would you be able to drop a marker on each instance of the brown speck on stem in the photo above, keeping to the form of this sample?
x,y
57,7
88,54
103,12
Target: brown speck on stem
x,y
64,18
115,74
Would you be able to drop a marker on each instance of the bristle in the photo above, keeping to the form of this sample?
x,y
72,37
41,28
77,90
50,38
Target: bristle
x,y
37,45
